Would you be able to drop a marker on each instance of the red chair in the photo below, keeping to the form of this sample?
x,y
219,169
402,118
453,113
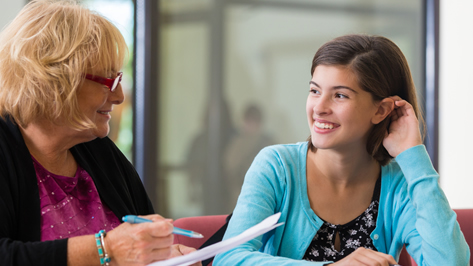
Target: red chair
x,y
206,225
405,259
465,219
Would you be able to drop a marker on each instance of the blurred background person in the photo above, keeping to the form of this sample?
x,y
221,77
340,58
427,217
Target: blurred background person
x,y
242,149
208,189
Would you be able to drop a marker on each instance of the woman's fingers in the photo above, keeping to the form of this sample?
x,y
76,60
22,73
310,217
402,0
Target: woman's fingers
x,y
141,244
143,258
179,250
185,250
160,254
158,228
147,231
160,242
156,218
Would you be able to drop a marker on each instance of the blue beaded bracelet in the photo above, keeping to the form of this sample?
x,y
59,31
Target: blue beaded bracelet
x,y
106,258
99,241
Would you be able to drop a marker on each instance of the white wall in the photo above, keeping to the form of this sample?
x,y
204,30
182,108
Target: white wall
x,y
456,102
9,9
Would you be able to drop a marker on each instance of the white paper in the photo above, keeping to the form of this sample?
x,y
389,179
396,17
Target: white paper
x,y
202,254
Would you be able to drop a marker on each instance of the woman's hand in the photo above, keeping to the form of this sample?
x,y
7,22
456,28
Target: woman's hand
x,y
366,257
403,133
140,244
179,250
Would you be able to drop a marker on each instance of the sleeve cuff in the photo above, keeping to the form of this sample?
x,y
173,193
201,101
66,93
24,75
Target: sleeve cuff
x,y
415,162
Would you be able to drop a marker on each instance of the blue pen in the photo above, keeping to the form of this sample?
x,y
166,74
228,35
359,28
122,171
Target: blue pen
x,y
133,219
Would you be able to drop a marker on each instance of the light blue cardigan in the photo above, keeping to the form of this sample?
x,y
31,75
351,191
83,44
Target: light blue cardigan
x,y
413,211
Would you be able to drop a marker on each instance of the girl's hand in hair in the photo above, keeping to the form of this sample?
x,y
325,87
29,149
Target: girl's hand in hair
x,y
366,257
404,132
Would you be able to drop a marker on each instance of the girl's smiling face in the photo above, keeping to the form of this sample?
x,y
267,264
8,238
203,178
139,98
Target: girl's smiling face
x,y
339,112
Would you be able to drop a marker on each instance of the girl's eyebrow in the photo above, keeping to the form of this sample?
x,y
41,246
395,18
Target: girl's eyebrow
x,y
335,87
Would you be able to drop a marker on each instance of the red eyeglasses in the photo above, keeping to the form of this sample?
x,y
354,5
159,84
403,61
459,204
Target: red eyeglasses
x,y
112,84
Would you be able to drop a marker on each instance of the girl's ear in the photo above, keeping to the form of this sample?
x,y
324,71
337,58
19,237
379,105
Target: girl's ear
x,y
385,107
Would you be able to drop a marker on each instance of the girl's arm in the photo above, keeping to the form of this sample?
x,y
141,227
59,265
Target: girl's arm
x,y
436,238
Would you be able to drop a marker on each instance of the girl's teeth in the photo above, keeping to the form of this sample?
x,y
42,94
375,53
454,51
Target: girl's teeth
x,y
324,125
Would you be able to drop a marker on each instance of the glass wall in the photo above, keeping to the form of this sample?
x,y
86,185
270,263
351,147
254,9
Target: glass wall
x,y
234,78
121,14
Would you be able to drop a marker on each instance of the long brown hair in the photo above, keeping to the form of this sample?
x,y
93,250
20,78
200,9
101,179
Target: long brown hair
x,y
381,69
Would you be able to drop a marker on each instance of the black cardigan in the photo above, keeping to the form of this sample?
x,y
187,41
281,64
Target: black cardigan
x,y
117,182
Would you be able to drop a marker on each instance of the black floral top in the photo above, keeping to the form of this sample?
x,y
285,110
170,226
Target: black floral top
x,y
353,235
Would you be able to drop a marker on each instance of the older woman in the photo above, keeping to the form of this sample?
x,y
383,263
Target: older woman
x,y
62,181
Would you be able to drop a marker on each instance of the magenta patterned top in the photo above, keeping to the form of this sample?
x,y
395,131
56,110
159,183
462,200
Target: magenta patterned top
x,y
70,206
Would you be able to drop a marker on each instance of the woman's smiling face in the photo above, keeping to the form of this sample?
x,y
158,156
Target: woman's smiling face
x,y
339,112
96,102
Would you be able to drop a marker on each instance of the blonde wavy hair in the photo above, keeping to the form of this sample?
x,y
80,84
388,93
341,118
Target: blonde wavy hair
x,y
45,52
